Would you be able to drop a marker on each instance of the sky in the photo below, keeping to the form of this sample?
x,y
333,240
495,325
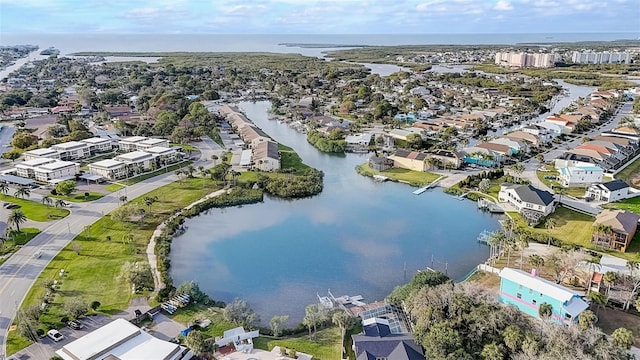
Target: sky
x,y
319,16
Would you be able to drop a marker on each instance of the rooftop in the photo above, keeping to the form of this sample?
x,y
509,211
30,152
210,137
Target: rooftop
x,y
134,156
133,139
107,163
35,162
621,221
538,284
69,145
531,194
95,140
57,165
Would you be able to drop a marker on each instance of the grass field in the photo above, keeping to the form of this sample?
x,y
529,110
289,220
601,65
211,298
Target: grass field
x,y
149,175
553,184
414,178
79,197
325,346
36,211
94,274
630,174
16,240
289,159
189,314
113,187
571,227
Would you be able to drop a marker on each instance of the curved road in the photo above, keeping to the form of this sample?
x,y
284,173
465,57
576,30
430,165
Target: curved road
x,y
20,271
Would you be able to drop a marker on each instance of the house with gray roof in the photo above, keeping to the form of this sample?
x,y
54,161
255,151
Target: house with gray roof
x,y
532,203
609,191
377,342
614,229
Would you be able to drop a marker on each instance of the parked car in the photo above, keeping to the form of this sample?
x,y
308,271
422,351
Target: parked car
x,y
75,324
12,206
55,335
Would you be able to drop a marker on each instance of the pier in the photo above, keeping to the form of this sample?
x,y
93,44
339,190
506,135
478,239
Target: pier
x,y
428,186
493,208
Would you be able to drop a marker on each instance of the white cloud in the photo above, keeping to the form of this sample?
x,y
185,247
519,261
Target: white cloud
x,y
503,5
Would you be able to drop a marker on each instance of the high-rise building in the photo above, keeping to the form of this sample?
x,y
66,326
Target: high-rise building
x,y
521,60
605,57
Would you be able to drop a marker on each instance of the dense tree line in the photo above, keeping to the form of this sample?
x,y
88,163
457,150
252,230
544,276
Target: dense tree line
x,y
325,144
305,183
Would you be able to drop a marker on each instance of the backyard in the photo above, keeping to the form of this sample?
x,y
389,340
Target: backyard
x,y
414,178
547,178
326,346
631,174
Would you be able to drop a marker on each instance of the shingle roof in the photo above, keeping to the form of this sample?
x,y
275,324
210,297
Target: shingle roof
x,y
533,195
619,220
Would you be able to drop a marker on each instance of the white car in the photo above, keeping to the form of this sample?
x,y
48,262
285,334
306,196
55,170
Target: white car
x,y
55,335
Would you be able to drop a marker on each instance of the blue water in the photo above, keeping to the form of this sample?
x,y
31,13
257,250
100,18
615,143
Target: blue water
x,y
68,43
354,238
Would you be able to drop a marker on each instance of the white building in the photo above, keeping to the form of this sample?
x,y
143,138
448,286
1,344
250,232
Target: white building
x,y
122,340
266,156
358,142
130,143
610,191
109,169
553,129
26,169
166,155
605,57
41,153
152,142
57,170
521,60
580,175
98,145
72,150
136,159
531,202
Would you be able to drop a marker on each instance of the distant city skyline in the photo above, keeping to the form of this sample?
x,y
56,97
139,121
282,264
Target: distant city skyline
x,y
319,16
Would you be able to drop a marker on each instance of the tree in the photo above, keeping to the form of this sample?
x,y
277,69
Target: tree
x,y
314,314
623,338
277,322
17,218
238,312
138,275
484,185
610,278
197,342
22,192
545,311
597,298
536,261
586,319
27,322
550,224
343,321
215,159
47,200
76,247
4,188
512,337
124,212
75,308
23,140
564,263
12,155
66,187
492,351
593,264
192,289
150,200
517,169
522,242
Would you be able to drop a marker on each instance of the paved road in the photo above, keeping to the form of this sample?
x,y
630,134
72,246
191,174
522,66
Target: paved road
x,y
19,272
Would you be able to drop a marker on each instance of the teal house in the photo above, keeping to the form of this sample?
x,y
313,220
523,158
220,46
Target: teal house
x,y
527,291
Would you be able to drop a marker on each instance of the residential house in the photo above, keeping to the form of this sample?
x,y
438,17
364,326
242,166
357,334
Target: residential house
x,y
266,156
610,191
358,142
528,291
377,342
542,133
117,111
552,128
567,126
72,150
614,229
411,160
575,176
380,163
532,203
41,153
98,145
109,169
482,156
448,159
523,136
121,340
56,171
515,145
239,338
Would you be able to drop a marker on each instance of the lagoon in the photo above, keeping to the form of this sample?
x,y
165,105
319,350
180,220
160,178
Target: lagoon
x,y
356,237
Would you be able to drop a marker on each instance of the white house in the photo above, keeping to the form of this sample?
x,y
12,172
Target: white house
x,y
26,169
152,142
516,146
266,156
358,142
580,175
41,153
109,169
72,150
57,170
98,145
553,129
610,191
136,159
531,202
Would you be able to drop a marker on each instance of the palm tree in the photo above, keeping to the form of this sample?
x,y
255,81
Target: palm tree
x,y
215,159
610,278
597,298
4,188
494,241
22,192
16,218
544,312
149,200
509,244
522,242
47,201
536,261
550,224
593,264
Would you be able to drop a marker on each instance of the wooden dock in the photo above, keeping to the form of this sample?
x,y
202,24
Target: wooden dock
x,y
428,186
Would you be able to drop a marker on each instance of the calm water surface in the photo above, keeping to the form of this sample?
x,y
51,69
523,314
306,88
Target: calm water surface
x,y
354,238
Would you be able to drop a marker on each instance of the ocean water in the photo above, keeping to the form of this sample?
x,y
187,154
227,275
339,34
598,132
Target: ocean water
x,y
70,43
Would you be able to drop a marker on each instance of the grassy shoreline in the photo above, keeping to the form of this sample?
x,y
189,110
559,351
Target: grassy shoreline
x,y
413,178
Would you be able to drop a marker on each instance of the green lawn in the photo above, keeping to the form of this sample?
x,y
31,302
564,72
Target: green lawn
x,y
189,314
36,211
149,175
326,345
632,205
79,197
630,174
17,239
573,191
94,274
414,178
289,159
571,227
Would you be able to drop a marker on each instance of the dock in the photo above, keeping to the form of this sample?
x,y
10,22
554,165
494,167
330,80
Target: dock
x,y
428,186
380,178
493,208
463,196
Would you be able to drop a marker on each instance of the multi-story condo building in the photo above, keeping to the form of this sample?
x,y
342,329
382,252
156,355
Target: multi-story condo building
x,y
605,57
521,60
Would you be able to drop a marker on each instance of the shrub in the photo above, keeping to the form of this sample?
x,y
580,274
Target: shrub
x,y
95,305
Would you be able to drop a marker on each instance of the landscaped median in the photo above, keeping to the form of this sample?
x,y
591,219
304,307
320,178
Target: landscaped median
x,y
411,177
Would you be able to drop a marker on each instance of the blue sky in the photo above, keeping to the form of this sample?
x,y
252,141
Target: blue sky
x,y
319,16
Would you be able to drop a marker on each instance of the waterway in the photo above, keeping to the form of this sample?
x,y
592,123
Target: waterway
x,y
356,237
